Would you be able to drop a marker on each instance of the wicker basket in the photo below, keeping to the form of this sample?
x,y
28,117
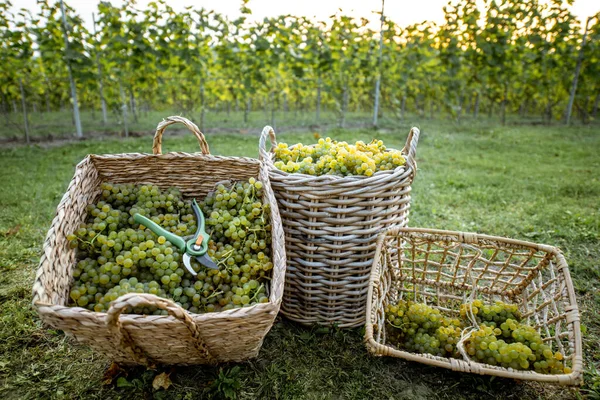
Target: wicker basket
x,y
331,225
180,338
445,269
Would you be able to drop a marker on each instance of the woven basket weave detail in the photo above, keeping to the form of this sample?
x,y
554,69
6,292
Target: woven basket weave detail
x,y
445,269
180,338
133,300
331,225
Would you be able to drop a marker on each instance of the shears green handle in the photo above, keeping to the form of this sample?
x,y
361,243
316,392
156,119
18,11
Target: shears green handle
x,y
177,241
196,247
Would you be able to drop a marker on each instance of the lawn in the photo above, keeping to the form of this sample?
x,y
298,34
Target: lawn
x,y
534,183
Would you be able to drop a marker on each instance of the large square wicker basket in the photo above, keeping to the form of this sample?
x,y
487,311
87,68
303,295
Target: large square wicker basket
x,y
180,337
444,269
331,225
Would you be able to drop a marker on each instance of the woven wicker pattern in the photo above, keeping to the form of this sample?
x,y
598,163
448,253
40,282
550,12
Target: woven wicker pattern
x,y
180,338
445,269
331,225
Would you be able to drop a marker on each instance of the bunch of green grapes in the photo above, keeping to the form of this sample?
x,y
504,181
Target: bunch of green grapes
x,y
491,315
111,246
168,209
131,285
394,315
239,225
517,346
118,256
449,336
501,339
423,329
337,158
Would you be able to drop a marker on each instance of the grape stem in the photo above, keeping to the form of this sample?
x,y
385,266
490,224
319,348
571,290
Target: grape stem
x,y
91,242
213,294
396,326
257,292
227,256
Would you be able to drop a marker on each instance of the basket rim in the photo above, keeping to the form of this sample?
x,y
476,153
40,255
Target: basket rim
x,y
468,237
399,170
408,152
574,378
172,154
204,317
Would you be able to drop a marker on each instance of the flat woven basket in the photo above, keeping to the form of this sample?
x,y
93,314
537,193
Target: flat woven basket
x,y
331,225
180,337
444,269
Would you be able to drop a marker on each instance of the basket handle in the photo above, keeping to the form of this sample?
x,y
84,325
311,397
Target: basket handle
x,y
157,143
269,133
133,300
410,148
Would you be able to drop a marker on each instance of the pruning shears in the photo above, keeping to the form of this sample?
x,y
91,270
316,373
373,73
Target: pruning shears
x,y
196,247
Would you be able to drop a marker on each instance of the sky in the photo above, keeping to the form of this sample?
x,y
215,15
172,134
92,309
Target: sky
x,y
402,12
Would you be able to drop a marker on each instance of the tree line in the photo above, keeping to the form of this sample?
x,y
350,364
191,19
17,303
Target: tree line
x,y
518,57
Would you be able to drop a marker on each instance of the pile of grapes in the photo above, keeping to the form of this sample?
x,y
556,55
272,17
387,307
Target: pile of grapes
x,y
337,158
502,339
117,256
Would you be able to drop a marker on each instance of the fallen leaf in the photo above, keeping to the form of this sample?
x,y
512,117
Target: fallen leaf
x,y
122,382
13,230
111,373
161,381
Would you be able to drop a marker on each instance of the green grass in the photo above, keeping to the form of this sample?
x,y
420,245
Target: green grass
x,y
534,183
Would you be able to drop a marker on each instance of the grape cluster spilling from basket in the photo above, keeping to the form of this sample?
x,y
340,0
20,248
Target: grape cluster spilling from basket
x,y
135,260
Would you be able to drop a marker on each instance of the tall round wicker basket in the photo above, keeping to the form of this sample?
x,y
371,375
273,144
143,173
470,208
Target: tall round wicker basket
x,y
181,337
331,225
